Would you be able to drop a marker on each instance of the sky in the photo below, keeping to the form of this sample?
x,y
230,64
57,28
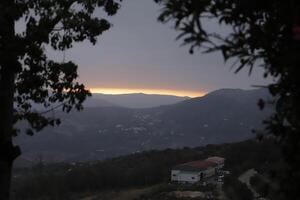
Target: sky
x,y
139,54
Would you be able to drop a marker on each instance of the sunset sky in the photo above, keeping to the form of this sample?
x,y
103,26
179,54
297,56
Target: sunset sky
x,y
139,54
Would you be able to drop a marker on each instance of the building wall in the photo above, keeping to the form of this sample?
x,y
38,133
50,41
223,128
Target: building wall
x,y
174,175
191,177
209,172
185,176
220,165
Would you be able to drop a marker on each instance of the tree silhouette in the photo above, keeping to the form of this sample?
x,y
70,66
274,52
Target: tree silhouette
x,y
28,76
264,33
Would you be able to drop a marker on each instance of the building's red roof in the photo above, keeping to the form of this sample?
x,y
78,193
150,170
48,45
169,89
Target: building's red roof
x,y
196,165
201,164
216,159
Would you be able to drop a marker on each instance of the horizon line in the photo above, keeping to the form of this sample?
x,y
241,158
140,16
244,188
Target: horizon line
x,y
120,91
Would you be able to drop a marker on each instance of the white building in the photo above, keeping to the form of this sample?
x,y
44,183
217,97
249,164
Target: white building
x,y
196,171
193,172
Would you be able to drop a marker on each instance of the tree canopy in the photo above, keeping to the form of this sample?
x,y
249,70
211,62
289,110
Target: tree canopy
x,y
265,34
29,77
48,23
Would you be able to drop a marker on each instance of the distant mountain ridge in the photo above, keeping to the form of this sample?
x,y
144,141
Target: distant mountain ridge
x,y
102,132
134,100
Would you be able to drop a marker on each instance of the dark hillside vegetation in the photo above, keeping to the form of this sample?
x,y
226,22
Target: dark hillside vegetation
x,y
63,181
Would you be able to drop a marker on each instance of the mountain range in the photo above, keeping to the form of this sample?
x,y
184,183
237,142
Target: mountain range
x,y
109,130
135,100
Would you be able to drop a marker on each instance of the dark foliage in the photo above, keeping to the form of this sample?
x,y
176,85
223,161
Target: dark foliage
x,y
235,190
265,187
38,79
265,34
260,186
28,76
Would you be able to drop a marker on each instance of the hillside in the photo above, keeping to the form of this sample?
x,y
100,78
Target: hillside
x,y
98,178
104,132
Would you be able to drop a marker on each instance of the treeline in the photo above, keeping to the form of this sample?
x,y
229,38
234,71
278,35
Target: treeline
x,y
62,181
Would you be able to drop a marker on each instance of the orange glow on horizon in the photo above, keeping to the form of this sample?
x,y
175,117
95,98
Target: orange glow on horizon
x,y
147,91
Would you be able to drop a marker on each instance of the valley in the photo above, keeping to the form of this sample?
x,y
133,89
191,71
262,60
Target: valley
x,y
226,115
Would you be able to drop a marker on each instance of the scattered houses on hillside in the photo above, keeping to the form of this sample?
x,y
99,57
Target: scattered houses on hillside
x,y
198,171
